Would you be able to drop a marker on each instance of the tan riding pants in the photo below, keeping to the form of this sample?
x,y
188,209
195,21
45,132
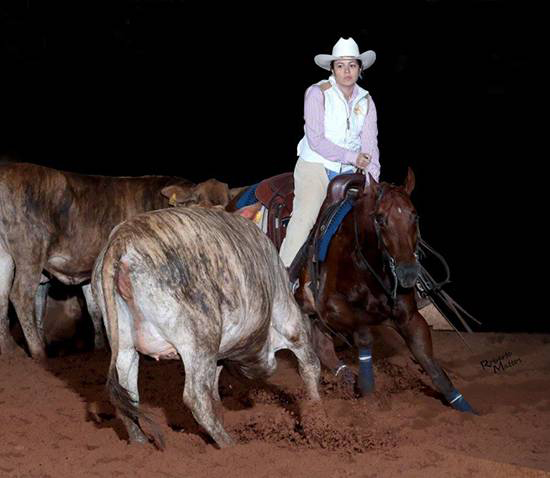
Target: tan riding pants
x,y
310,189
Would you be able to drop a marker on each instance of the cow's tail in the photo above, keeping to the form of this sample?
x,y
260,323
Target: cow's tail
x,y
118,395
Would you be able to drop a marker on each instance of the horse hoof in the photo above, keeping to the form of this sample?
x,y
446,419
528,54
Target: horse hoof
x,y
366,384
366,389
462,405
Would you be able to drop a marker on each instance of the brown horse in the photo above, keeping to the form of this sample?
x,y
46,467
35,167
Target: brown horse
x,y
368,278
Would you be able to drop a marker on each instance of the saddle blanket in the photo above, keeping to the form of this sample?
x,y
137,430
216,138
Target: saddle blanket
x,y
330,229
249,198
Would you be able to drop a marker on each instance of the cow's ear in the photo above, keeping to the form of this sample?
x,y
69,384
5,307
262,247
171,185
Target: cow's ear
x,y
410,181
249,211
175,194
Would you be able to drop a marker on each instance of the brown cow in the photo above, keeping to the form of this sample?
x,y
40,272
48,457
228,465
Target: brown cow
x,y
57,222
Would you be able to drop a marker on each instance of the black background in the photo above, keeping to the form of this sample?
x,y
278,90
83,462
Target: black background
x,y
201,90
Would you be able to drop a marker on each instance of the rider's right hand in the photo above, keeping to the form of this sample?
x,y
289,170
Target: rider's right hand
x,y
363,160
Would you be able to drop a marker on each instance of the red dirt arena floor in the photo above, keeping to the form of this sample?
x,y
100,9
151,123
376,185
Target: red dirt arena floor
x,y
56,421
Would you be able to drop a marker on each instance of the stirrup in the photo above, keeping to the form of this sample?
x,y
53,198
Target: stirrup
x,y
294,282
294,285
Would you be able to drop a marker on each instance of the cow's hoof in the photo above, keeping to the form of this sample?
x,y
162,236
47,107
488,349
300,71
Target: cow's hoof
x,y
141,440
39,356
225,442
9,348
15,352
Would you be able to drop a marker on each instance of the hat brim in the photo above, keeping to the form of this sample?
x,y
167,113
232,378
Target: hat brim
x,y
367,59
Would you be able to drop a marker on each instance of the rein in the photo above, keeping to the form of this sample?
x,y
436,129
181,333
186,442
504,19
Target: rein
x,y
426,285
392,295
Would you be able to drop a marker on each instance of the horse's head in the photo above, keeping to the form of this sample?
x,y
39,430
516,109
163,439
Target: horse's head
x,y
396,225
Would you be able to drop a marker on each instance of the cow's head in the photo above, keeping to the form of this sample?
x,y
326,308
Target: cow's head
x,y
208,194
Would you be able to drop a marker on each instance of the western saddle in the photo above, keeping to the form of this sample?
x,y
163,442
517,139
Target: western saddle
x,y
277,195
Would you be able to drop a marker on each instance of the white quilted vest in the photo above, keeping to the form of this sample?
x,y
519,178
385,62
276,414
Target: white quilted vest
x,y
343,125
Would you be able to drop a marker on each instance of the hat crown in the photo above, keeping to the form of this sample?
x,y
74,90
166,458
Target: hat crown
x,y
345,47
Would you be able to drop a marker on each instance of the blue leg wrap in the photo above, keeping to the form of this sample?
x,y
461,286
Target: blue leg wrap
x,y
366,373
458,402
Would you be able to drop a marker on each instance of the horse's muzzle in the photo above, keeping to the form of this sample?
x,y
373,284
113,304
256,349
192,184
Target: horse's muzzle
x,y
407,274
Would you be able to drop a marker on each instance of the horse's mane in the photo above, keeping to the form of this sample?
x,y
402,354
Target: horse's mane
x,y
387,190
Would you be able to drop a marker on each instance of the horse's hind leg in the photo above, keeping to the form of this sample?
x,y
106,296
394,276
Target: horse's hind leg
x,y
416,333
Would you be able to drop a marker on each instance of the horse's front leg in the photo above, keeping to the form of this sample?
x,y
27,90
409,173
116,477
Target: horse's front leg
x,y
363,341
338,310
417,335
324,348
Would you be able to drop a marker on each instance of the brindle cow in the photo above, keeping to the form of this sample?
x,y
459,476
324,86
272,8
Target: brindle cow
x,y
57,222
203,284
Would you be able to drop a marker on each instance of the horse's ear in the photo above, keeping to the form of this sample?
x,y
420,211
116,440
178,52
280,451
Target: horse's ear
x,y
409,181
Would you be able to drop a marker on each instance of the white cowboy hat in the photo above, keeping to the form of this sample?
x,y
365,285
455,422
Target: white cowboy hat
x,y
346,49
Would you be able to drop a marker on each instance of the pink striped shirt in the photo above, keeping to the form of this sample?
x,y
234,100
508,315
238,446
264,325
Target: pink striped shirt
x,y
314,115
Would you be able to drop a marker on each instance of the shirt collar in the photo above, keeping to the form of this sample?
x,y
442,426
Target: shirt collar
x,y
353,93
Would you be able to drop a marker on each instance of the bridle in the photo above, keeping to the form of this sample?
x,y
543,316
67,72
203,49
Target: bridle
x,y
387,257
391,294
426,285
